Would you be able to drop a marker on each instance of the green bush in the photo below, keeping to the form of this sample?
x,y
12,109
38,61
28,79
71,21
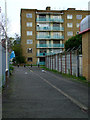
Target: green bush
x,y
11,68
73,42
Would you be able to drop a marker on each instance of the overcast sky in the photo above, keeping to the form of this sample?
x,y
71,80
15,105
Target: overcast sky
x,y
14,6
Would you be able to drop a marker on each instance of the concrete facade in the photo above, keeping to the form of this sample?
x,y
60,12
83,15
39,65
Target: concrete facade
x,y
49,30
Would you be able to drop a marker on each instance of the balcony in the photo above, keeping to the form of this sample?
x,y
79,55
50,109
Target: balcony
x,y
50,28
49,20
49,37
50,45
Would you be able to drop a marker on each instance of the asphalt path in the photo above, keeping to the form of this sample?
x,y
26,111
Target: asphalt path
x,y
31,93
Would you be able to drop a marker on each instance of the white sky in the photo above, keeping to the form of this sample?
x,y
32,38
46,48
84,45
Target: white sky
x,y
14,6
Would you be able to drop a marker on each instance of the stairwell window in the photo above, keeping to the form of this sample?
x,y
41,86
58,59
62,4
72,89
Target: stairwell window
x,y
69,25
79,17
29,41
29,59
29,24
29,33
29,15
69,16
77,25
29,50
70,33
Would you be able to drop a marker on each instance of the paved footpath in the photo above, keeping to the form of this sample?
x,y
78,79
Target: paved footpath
x,y
31,93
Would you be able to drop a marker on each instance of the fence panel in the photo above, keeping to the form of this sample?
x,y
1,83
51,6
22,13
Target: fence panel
x,y
3,66
63,63
51,62
66,63
56,63
0,65
74,64
59,63
80,65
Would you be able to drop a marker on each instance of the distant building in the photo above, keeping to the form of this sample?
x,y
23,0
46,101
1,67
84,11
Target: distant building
x,y
45,31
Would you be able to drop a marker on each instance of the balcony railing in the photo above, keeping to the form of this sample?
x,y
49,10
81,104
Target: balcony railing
x,y
41,63
49,37
50,45
50,28
41,54
44,54
50,20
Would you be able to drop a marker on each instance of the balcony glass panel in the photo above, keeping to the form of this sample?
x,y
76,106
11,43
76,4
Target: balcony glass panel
x,y
41,54
50,19
50,28
50,37
41,63
50,45
43,37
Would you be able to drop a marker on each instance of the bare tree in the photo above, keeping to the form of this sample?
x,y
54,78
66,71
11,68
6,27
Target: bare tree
x,y
3,34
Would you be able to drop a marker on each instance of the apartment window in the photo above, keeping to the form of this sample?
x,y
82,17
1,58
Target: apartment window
x,y
29,15
56,33
42,42
42,16
43,51
56,42
70,33
29,33
29,50
69,16
29,59
29,24
56,25
56,17
77,25
29,41
79,17
70,25
43,33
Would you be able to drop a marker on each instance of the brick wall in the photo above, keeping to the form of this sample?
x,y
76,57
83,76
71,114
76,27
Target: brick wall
x,y
86,54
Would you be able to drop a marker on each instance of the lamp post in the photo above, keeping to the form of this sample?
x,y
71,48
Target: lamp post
x,y
6,38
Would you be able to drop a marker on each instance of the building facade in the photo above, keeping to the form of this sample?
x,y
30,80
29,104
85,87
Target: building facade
x,y
45,31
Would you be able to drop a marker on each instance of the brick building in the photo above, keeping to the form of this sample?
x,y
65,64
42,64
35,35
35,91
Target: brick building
x,y
45,31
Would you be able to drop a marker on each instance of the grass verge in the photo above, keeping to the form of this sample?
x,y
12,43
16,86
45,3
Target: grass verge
x,y
11,68
74,78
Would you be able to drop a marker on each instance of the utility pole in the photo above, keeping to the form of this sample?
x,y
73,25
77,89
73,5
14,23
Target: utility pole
x,y
6,38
